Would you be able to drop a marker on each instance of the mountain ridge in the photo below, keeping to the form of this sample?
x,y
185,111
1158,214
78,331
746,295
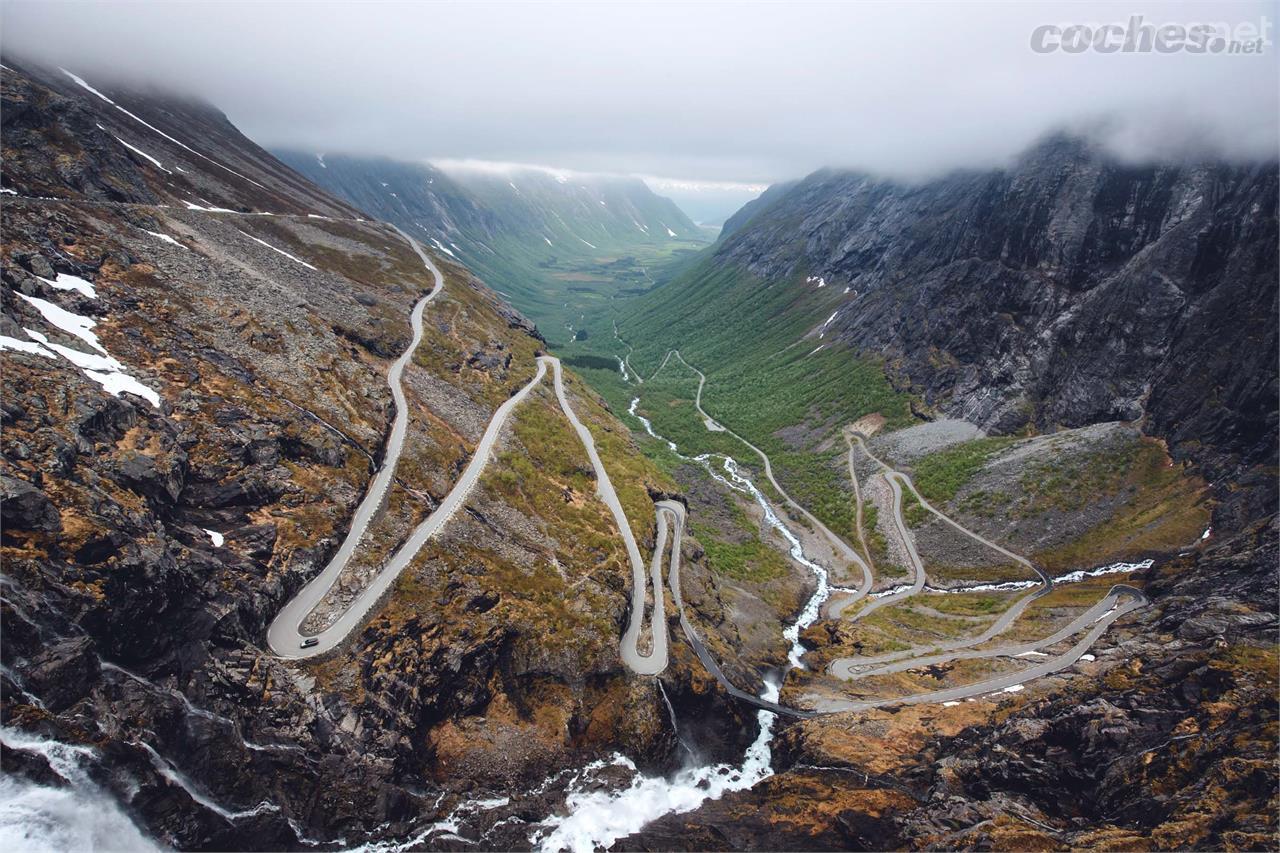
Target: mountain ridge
x,y
1059,241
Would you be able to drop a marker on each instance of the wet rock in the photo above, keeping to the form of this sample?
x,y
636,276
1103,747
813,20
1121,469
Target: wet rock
x,y
256,541
63,673
100,417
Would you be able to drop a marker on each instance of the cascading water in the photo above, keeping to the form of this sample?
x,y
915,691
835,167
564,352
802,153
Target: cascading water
x,y
77,816
675,724
597,818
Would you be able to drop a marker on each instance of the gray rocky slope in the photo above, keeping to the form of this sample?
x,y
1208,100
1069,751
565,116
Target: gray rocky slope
x,y
1067,289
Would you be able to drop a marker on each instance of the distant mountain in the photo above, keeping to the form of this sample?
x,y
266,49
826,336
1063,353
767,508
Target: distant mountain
x,y
1045,299
537,236
1067,289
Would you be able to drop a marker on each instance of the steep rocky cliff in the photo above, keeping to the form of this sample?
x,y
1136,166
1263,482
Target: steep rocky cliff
x,y
195,349
1067,289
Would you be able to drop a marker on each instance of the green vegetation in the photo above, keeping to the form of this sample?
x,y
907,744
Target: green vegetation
x,y
753,560
907,622
763,380
969,603
565,285
1165,508
913,512
1070,483
940,475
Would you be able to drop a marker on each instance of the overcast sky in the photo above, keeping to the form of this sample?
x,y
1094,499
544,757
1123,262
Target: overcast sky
x,y
732,92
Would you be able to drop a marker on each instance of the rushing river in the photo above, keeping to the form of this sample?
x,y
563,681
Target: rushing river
x,y
597,818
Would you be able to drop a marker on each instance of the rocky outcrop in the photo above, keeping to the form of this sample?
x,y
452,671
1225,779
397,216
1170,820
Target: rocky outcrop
x,y
1168,744
147,547
1067,289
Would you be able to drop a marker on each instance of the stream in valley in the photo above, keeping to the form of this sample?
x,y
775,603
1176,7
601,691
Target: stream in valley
x,y
596,818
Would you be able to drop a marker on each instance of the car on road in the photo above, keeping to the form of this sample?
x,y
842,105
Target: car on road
x,y
309,642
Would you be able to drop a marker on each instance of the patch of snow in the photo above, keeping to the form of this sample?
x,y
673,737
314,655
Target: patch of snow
x,y
71,282
1013,688
320,160
164,237
441,247
103,369
214,536
193,206
1032,655
7,191
846,289
549,243
73,324
116,382
950,704
136,150
815,349
293,258
80,82
1087,657
1208,531
29,347
592,245
670,233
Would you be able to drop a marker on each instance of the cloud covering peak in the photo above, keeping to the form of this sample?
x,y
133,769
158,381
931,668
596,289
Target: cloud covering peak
x,y
699,92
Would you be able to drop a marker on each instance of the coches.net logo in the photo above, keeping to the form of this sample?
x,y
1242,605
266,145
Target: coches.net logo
x,y
1245,38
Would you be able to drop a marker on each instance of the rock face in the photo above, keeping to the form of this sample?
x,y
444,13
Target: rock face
x,y
147,543
1066,289
1069,290
1168,744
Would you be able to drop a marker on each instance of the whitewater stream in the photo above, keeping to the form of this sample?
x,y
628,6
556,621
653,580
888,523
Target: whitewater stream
x,y
597,818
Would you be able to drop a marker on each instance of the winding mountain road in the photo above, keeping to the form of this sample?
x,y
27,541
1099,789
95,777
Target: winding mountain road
x,y
284,635
1092,623
848,668
1113,611
286,638
656,660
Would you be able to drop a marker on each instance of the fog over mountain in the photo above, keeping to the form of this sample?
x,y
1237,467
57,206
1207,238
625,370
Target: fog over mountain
x,y
767,93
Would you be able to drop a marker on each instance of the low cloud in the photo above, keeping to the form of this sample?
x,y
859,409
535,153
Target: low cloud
x,y
700,93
